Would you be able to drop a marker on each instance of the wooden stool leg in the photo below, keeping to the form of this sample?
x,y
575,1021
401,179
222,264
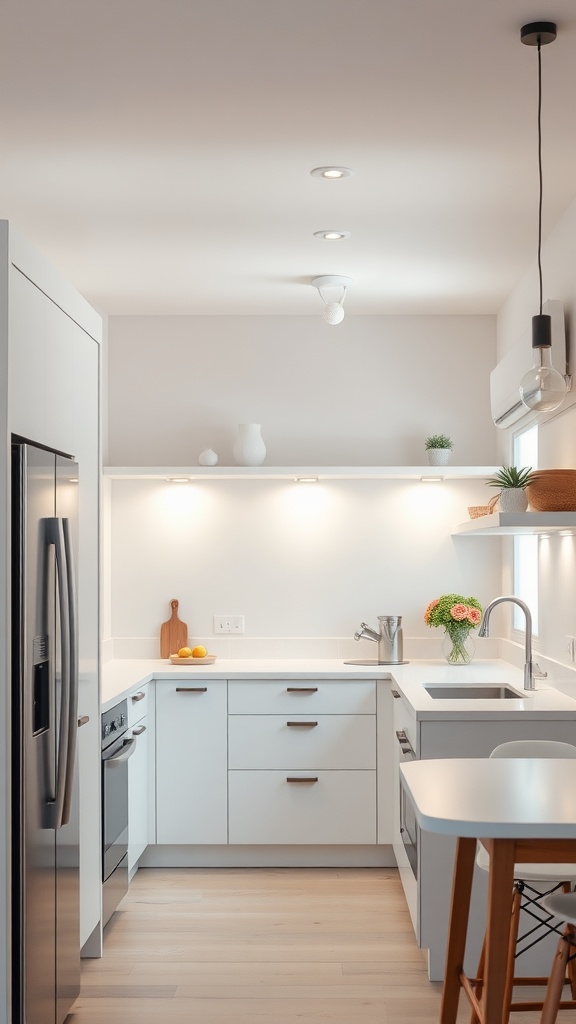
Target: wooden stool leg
x,y
459,911
474,1018
500,883
511,961
555,983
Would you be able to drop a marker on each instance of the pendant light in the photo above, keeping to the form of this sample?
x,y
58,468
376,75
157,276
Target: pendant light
x,y
543,388
333,310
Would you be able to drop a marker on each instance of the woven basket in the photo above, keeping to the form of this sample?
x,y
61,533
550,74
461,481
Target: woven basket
x,y
475,511
552,490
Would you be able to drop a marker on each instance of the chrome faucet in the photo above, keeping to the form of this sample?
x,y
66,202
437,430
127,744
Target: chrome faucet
x,y
529,674
389,639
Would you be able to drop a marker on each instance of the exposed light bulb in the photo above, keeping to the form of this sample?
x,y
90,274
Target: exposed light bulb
x,y
543,388
333,313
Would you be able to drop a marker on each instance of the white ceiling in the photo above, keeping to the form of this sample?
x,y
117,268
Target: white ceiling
x,y
158,151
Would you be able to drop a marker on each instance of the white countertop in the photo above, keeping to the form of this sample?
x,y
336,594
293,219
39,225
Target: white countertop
x,y
121,676
515,798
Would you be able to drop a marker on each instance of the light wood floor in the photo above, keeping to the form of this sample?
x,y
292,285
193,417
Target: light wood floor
x,y
263,946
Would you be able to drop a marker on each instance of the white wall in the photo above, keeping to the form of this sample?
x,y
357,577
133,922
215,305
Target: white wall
x,y
297,561
557,435
366,392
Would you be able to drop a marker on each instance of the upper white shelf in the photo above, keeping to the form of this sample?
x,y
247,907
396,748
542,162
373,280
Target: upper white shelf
x,y
293,472
514,523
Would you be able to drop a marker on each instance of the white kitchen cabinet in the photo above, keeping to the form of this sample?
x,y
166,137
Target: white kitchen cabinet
x,y
300,742
307,773
428,889
140,776
296,807
191,761
302,697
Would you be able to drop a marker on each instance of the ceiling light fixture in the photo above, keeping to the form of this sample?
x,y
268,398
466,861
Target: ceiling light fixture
x,y
431,479
332,173
178,479
305,479
334,310
543,388
332,235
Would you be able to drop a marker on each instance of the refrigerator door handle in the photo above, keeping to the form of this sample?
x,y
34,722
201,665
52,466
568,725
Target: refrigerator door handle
x,y
72,673
55,536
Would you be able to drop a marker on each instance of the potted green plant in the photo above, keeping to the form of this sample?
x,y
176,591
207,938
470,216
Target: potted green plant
x,y
512,483
438,447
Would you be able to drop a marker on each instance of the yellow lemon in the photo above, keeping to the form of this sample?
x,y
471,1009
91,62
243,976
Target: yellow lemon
x,y
185,652
199,652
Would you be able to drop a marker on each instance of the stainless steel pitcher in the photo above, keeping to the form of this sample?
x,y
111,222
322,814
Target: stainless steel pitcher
x,y
390,639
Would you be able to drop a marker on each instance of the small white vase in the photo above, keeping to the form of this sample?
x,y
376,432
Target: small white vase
x,y
513,499
249,448
208,458
438,456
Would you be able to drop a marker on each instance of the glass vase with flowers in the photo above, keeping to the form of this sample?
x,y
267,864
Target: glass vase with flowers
x,y
458,616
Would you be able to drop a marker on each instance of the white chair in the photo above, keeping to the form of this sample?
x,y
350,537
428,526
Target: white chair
x,y
563,906
528,898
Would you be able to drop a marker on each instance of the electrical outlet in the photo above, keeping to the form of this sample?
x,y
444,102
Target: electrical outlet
x,y
228,624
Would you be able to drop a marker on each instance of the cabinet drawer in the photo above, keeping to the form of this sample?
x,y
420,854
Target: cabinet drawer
x,y
301,696
301,741
137,704
339,808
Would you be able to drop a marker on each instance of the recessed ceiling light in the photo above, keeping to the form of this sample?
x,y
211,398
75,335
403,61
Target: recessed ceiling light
x,y
332,173
305,479
178,479
332,235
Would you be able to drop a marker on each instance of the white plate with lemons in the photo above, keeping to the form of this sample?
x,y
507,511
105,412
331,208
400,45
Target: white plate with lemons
x,y
193,656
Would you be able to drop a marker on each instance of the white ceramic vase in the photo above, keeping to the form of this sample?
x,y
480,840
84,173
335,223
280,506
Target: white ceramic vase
x,y
208,458
513,499
249,448
438,456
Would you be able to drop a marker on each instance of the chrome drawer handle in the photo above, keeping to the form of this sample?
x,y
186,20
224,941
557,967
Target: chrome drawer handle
x,y
138,730
312,778
191,689
309,725
395,693
301,689
138,696
83,720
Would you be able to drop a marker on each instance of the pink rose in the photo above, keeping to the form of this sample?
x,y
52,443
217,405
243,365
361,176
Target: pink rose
x,y
459,612
474,616
429,609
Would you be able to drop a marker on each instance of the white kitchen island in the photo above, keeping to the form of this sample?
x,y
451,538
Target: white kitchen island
x,y
523,811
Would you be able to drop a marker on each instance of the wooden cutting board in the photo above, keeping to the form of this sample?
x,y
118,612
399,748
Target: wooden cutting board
x,y
173,633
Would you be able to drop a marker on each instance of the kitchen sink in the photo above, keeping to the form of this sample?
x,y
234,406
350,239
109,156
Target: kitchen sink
x,y
472,691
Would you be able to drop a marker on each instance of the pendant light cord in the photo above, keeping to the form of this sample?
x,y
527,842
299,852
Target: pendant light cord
x,y
540,188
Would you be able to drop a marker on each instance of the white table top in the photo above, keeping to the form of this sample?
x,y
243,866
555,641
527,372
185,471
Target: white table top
x,y
512,798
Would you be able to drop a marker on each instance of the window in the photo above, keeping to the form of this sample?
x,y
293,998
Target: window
x,y
525,453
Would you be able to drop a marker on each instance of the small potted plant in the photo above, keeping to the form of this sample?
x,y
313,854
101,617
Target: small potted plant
x,y
438,447
512,483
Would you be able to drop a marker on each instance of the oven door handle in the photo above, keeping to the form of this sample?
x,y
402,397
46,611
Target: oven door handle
x,y
127,751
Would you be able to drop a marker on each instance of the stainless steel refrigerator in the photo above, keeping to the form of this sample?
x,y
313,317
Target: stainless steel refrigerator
x,y
45,834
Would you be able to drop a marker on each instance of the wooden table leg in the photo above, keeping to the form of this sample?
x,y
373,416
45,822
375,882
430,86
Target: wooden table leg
x,y
459,910
500,882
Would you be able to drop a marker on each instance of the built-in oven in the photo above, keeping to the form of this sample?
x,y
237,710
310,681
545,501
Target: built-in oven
x,y
408,825
116,750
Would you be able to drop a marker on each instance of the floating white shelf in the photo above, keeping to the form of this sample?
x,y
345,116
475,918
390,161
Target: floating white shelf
x,y
292,472
502,524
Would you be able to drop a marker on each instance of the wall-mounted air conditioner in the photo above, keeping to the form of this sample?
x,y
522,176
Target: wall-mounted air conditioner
x,y
506,404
